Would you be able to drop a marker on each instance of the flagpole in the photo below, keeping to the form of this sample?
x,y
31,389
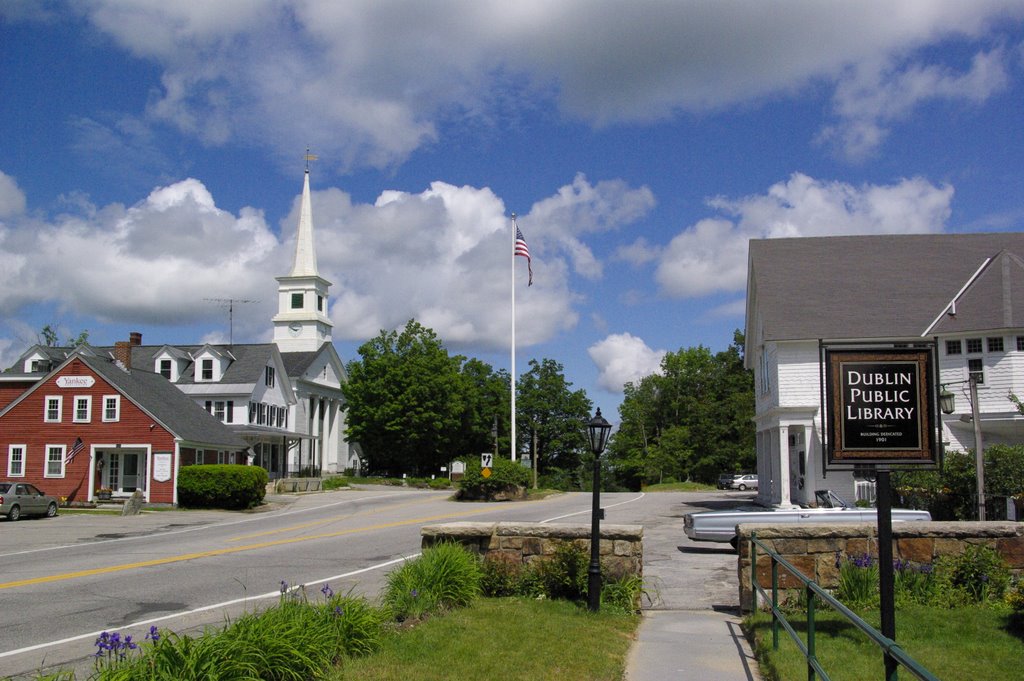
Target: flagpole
x,y
512,430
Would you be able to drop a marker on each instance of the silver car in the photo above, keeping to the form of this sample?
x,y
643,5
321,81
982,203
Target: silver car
x,y
744,482
21,498
720,526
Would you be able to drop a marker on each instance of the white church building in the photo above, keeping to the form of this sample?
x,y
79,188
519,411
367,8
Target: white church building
x,y
282,398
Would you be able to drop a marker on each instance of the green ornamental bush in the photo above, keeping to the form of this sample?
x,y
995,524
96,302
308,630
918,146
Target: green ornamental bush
x,y
229,486
444,577
508,479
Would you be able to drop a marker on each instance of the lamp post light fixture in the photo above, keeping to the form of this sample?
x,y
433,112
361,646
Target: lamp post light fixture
x,y
598,430
947,403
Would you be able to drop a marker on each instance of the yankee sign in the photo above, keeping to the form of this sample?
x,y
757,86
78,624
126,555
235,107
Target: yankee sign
x,y
880,407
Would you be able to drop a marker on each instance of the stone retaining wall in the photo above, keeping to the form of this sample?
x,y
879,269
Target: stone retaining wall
x,y
812,549
287,485
621,546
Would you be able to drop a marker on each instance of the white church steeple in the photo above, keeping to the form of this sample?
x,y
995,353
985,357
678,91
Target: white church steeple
x,y
302,323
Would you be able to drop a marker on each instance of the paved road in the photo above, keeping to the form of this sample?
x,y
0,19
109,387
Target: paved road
x,y
76,575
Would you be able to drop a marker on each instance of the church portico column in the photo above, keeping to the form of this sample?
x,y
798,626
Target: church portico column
x,y
782,468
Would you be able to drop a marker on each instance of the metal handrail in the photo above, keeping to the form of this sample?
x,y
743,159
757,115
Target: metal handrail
x,y
890,649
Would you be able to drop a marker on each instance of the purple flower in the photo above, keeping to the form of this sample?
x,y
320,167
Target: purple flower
x,y
327,591
154,634
863,561
338,612
415,593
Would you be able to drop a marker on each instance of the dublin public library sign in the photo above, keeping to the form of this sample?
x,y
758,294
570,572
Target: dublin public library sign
x,y
881,407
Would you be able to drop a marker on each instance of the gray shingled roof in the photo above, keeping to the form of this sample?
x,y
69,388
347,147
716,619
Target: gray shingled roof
x,y
178,412
885,286
246,365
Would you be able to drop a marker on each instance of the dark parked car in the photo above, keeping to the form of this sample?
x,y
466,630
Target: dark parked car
x,y
21,498
725,480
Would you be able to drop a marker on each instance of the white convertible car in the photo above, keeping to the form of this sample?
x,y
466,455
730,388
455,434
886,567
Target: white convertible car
x,y
720,526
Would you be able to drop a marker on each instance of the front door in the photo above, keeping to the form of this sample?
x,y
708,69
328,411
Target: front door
x,y
125,472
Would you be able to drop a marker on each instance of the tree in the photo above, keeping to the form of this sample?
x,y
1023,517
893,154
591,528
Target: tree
x,y
691,420
547,406
485,405
49,338
405,401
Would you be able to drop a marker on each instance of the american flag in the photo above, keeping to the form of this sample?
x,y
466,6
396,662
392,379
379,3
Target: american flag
x,y
75,448
524,250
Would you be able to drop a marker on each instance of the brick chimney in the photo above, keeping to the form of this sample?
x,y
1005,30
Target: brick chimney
x,y
123,354
135,338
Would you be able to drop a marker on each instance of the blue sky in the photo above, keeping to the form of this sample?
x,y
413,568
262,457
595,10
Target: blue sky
x,y
151,157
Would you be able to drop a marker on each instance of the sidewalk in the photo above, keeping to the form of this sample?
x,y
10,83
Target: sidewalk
x,y
702,645
690,630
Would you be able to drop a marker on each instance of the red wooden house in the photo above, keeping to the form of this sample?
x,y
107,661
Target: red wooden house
x,y
91,424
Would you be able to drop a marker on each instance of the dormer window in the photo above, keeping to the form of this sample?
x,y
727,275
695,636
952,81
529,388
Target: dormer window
x,y
165,368
206,370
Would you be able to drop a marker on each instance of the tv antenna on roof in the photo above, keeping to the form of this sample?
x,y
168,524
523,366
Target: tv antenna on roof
x,y
230,304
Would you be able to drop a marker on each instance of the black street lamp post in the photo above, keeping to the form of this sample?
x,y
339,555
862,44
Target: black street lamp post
x,y
598,429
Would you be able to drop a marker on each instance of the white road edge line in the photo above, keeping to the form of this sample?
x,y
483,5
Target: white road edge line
x,y
589,510
142,623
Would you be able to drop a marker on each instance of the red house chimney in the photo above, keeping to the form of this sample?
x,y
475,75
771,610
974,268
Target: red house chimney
x,y
123,354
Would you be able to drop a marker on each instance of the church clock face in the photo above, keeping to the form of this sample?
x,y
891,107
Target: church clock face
x,y
295,328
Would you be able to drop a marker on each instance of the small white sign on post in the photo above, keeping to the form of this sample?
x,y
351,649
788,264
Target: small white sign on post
x,y
486,460
162,466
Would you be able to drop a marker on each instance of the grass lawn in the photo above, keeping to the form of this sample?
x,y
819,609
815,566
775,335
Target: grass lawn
x,y
503,638
963,643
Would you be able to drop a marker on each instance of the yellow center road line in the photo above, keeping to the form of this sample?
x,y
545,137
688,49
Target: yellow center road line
x,y
314,523
235,549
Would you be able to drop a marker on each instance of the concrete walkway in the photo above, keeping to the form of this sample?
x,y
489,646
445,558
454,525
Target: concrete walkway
x,y
702,645
691,627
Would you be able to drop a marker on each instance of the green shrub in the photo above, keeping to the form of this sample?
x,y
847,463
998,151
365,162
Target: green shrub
x,y
564,575
1015,596
230,486
913,583
858,581
334,482
507,478
500,575
978,575
444,577
623,594
440,483
292,641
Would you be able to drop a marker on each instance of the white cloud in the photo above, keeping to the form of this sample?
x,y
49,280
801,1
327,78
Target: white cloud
x,y
872,95
622,358
12,199
583,208
442,256
711,255
370,82
153,263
